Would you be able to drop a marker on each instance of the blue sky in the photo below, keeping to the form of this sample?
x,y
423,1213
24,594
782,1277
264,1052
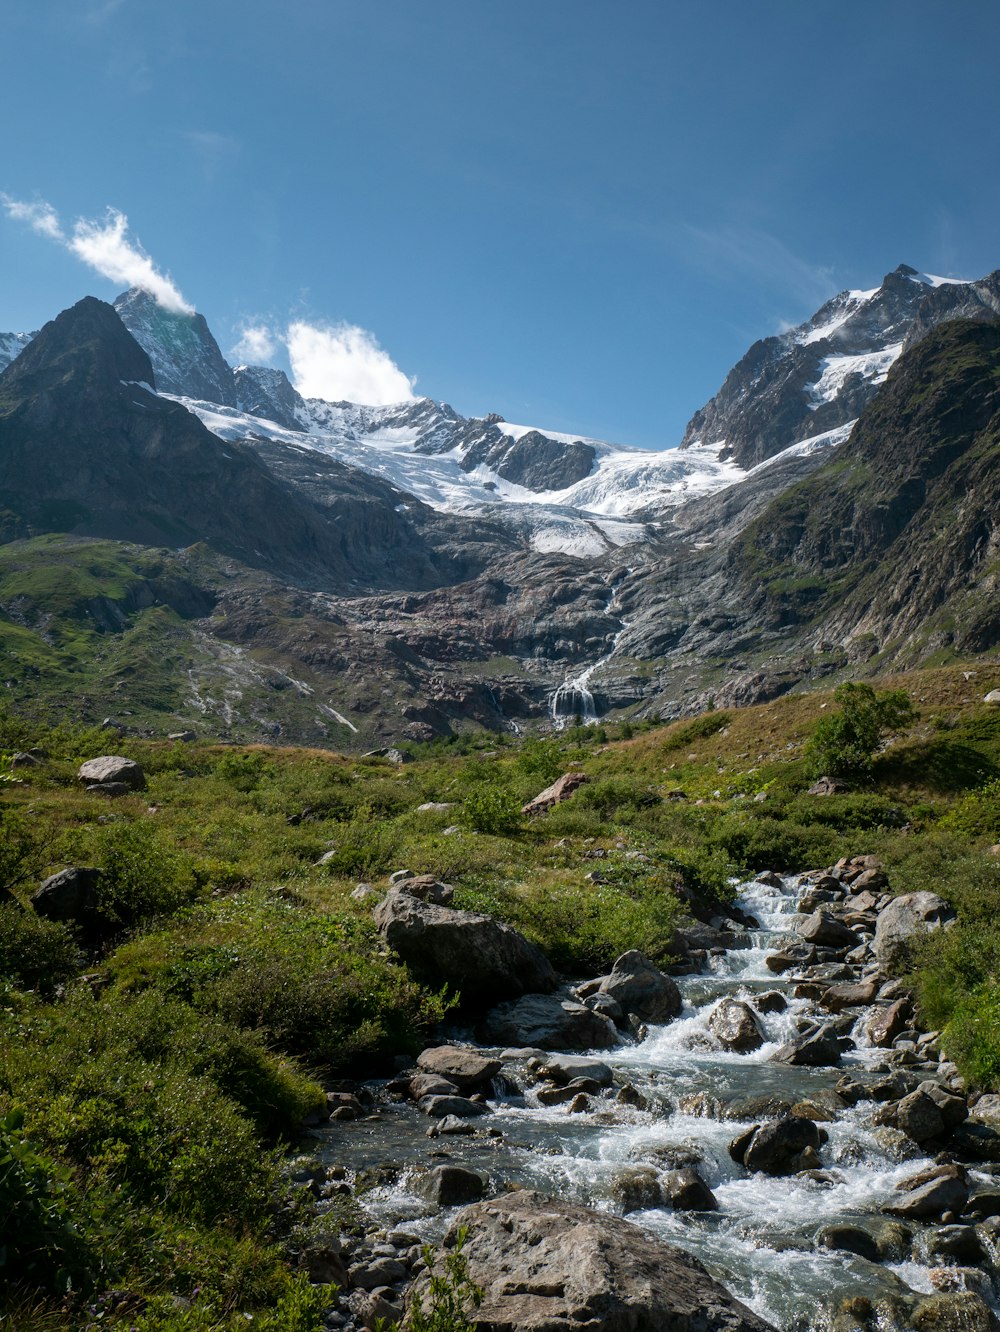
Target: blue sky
x,y
577,213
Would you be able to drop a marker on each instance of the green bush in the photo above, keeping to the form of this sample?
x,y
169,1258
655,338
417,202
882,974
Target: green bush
x,y
759,843
492,807
35,953
844,743
40,1243
141,874
978,814
617,796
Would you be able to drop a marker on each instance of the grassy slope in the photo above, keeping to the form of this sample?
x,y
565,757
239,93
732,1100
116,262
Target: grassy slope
x,y
266,976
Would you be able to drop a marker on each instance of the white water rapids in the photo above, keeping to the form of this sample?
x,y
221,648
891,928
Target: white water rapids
x,y
761,1243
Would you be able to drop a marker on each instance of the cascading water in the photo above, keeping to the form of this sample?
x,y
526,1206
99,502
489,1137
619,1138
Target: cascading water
x,y
761,1243
573,701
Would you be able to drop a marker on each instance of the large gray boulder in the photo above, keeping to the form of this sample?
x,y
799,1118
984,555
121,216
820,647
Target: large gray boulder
x,y
112,769
467,1069
545,1265
818,1048
736,1026
549,1023
824,930
903,921
482,957
777,1147
72,894
640,987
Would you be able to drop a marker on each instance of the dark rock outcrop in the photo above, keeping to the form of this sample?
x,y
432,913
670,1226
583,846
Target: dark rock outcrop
x,y
545,1265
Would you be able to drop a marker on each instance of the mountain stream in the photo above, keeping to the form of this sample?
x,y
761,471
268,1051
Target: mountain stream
x,y
762,1242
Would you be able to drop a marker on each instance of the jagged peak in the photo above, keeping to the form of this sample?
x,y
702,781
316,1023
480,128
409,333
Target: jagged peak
x,y
88,332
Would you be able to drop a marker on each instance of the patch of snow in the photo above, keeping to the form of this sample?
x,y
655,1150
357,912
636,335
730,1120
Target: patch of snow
x,y
852,303
873,366
931,280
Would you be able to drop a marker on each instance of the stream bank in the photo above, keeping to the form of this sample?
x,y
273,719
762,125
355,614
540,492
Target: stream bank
x,y
788,1126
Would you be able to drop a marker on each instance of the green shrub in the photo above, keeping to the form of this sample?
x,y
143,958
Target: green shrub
x,y
141,875
453,1295
978,814
972,1035
759,843
35,954
363,848
844,743
619,796
492,807
40,1243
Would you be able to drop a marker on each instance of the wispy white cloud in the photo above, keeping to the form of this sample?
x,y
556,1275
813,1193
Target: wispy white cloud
x,y
40,216
257,345
342,362
105,246
760,257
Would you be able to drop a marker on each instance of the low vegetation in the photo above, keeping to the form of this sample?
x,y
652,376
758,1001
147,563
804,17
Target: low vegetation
x,y
156,1065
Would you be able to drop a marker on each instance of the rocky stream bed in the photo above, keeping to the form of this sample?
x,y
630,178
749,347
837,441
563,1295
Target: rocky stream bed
x,y
774,1113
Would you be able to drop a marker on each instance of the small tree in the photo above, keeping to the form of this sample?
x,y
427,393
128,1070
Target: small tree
x,y
844,744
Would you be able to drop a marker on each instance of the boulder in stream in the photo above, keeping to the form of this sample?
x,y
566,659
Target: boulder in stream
x,y
549,1023
818,1048
736,1026
642,988
544,1263
467,1069
450,1185
931,1193
824,930
686,1191
483,957
780,1147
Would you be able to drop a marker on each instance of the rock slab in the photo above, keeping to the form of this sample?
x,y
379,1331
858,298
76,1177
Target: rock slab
x,y
545,1265
112,768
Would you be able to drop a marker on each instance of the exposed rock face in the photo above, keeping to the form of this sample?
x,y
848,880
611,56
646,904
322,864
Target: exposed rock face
x,y
547,1022
555,794
639,986
551,1266
826,931
268,393
483,957
794,386
185,356
903,920
112,768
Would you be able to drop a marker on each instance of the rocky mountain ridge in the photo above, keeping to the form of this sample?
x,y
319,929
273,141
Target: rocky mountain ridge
x,y
332,605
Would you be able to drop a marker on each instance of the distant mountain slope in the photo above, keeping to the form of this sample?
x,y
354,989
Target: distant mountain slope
x,y
86,446
896,538
819,375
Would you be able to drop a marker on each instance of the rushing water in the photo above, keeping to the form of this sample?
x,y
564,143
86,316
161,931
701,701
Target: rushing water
x,y
761,1243
574,701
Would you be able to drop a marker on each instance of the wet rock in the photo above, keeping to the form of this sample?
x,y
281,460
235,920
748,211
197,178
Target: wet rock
x,y
631,1096
429,1084
344,1105
449,1185
777,1147
736,1026
893,1239
641,988
567,1068
765,1105
975,1141
467,1069
849,995
770,878
436,1107
771,1001
552,1094
903,921
852,1239
548,1264
886,1023
483,957
637,1188
960,1243
686,1191
955,1311
580,1104
112,768
452,1126
819,1048
931,1193
918,1117
795,955
607,1007
549,1023
824,930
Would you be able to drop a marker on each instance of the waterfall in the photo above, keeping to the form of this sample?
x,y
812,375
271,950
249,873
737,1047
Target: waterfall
x,y
573,699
